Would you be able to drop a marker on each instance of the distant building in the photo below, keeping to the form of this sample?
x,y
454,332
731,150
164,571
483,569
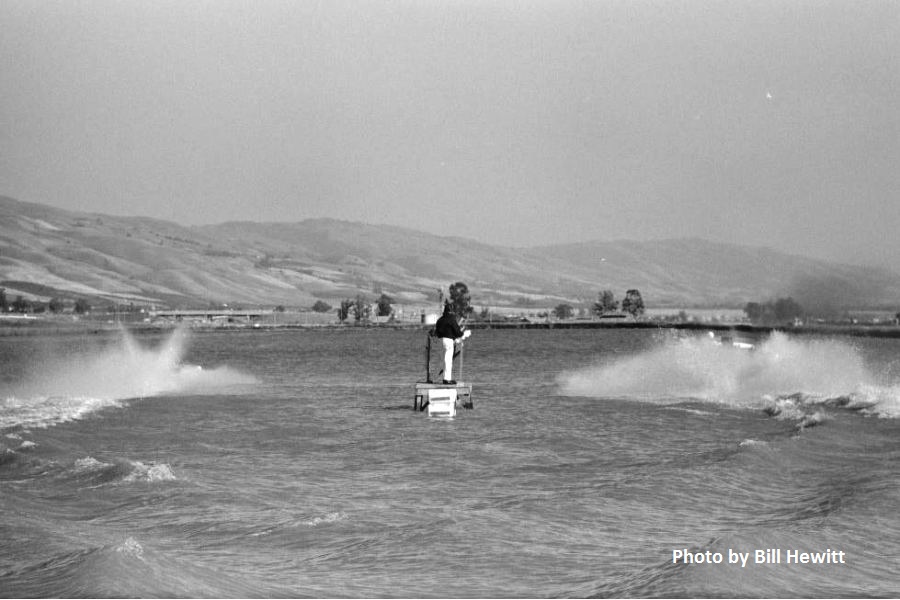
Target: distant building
x,y
616,317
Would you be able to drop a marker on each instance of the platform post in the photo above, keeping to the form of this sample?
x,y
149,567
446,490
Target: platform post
x,y
428,359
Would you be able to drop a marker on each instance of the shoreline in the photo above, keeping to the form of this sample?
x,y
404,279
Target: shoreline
x,y
37,327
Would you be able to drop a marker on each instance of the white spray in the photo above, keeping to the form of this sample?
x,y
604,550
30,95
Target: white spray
x,y
62,388
694,368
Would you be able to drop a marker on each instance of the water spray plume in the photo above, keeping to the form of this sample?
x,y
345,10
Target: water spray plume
x,y
63,388
694,369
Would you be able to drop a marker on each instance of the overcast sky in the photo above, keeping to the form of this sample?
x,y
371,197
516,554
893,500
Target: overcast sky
x,y
511,122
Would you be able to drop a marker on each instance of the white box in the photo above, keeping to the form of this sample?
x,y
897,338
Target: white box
x,y
442,402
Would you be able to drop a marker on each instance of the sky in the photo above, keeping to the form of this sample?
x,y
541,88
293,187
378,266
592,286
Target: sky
x,y
517,123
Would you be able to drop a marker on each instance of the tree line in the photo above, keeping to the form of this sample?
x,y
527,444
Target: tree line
x,y
55,305
632,304
360,308
458,297
781,310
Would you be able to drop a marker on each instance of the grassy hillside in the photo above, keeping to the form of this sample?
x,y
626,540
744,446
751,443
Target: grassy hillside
x,y
47,252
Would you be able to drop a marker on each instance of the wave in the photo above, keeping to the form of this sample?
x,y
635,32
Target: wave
x,y
329,518
46,411
779,374
95,473
287,526
122,569
62,389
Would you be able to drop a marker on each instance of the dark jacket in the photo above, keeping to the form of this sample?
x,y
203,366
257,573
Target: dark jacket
x,y
447,327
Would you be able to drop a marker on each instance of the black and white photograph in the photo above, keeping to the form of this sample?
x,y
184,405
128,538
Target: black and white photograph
x,y
449,298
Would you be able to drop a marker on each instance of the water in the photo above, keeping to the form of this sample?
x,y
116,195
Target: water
x,y
290,463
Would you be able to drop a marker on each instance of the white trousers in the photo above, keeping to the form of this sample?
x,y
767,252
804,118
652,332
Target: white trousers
x,y
448,357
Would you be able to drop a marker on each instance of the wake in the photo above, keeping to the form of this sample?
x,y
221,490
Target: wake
x,y
780,374
63,388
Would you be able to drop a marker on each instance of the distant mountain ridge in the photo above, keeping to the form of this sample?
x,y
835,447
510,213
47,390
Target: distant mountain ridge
x,y
45,252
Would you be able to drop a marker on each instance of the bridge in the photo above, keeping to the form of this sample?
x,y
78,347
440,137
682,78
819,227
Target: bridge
x,y
210,315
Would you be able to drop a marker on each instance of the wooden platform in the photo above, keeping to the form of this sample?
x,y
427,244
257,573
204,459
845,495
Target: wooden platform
x,y
463,394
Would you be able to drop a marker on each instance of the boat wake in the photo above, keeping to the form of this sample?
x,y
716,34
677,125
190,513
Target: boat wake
x,y
784,376
63,388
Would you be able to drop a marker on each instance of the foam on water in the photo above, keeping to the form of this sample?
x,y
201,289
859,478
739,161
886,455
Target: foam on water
x,y
150,473
89,464
45,411
97,473
329,518
65,388
131,547
750,442
804,372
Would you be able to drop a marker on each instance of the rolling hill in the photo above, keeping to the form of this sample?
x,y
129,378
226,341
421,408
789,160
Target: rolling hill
x,y
47,252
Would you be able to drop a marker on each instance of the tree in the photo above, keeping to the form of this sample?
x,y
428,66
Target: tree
x,y
633,303
524,301
786,309
754,311
361,309
21,305
344,311
4,305
460,300
607,303
779,311
383,308
563,311
82,306
321,307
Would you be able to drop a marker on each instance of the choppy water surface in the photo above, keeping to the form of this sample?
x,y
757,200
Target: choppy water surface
x,y
290,463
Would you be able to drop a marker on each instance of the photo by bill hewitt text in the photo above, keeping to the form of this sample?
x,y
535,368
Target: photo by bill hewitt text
x,y
767,556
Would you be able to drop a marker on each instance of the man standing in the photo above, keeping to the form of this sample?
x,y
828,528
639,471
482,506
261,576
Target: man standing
x,y
448,330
